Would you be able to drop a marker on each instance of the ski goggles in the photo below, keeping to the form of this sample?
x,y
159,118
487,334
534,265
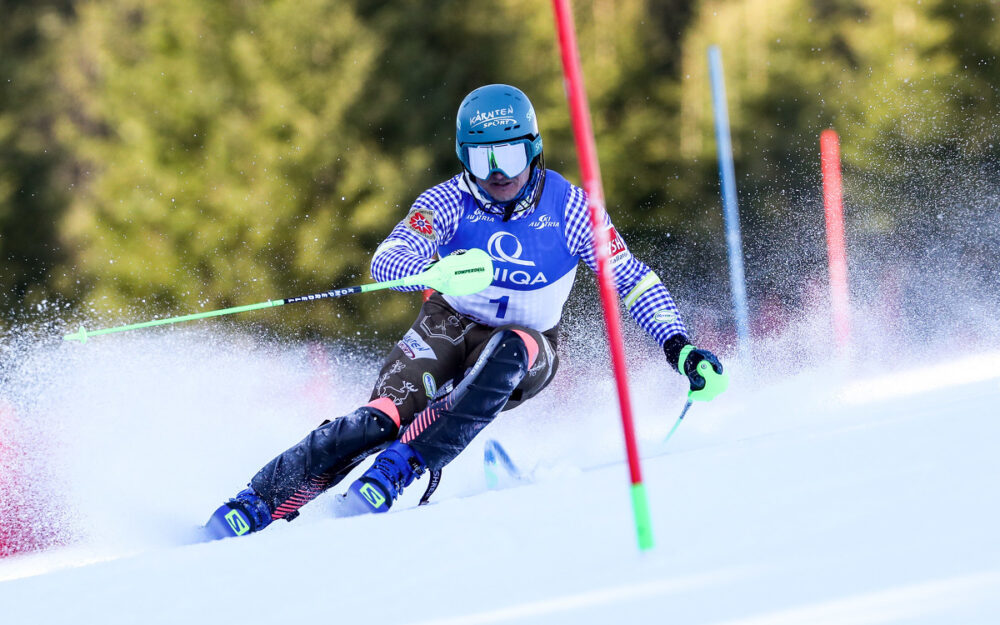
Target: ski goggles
x,y
510,159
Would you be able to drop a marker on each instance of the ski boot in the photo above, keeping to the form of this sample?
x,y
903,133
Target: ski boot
x,y
383,483
244,514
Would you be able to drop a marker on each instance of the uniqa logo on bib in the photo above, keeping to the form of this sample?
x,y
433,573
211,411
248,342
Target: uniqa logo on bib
x,y
495,247
510,252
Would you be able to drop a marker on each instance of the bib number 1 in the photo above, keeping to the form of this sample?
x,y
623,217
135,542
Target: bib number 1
x,y
501,303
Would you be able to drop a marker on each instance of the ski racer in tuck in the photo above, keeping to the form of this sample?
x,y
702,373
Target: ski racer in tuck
x,y
466,358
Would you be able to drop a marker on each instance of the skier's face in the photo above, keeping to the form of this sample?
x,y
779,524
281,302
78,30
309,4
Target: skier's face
x,y
501,188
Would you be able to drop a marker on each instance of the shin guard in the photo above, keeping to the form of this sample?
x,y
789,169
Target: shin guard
x,y
442,430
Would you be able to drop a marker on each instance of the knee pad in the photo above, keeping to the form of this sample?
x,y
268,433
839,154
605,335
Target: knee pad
x,y
442,430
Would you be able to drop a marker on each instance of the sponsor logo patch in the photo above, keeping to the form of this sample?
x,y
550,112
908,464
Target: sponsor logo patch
x,y
430,384
509,252
502,274
664,315
545,221
480,216
414,347
507,248
422,222
617,250
496,117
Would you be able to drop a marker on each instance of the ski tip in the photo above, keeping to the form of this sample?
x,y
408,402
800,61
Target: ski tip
x,y
498,467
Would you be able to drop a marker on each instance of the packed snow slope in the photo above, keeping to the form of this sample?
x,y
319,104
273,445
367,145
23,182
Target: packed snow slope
x,y
832,495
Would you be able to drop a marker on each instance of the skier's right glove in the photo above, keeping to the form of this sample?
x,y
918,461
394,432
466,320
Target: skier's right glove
x,y
702,368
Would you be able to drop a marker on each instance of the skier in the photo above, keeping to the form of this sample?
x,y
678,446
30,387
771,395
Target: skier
x,y
466,358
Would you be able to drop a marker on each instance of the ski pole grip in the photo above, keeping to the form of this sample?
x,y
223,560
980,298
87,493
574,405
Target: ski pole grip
x,y
715,383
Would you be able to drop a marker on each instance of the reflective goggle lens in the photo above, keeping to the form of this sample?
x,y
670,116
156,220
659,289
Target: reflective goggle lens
x,y
509,158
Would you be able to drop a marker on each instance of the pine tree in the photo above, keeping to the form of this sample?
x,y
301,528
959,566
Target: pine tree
x,y
31,192
222,164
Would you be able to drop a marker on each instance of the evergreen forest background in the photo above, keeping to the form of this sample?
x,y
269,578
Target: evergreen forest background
x,y
174,156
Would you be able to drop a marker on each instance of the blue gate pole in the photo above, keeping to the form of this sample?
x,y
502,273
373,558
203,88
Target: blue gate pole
x,y
734,241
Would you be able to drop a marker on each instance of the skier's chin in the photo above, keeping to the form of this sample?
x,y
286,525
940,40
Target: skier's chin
x,y
503,192
503,189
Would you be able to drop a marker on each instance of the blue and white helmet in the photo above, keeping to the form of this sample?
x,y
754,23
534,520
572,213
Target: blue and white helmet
x,y
497,130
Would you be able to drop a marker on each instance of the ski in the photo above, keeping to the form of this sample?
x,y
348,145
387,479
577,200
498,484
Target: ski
x,y
499,469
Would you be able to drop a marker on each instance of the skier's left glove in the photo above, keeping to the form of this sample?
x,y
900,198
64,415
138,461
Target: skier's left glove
x,y
702,368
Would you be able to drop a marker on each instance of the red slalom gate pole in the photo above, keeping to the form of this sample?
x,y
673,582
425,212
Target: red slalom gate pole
x,y
9,516
589,169
836,248
17,534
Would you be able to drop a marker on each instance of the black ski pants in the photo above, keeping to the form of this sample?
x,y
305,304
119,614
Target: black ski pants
x,y
427,363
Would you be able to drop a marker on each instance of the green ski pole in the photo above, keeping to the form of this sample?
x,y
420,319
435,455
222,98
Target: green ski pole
x,y
679,419
455,274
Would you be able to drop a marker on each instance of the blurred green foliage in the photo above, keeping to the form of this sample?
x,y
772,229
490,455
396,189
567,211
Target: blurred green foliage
x,y
172,156
32,195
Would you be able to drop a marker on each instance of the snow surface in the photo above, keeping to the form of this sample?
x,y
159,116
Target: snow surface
x,y
824,497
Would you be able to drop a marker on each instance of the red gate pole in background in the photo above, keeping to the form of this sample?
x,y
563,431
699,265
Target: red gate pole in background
x,y
836,248
7,518
15,535
30,517
587,151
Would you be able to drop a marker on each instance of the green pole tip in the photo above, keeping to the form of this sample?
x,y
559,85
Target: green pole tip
x,y
646,541
81,336
643,522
